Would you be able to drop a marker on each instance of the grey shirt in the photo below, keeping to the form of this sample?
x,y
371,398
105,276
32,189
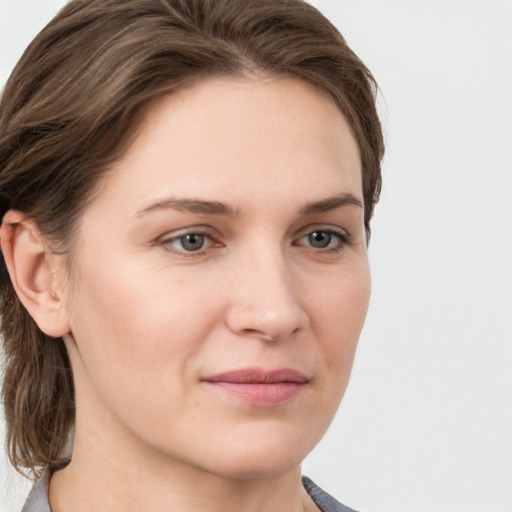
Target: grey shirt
x,y
37,500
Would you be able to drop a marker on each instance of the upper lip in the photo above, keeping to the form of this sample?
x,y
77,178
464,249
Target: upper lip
x,y
258,376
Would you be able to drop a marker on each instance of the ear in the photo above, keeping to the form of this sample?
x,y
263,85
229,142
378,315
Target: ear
x,y
32,270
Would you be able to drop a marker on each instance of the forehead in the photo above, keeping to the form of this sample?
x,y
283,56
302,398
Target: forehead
x,y
261,134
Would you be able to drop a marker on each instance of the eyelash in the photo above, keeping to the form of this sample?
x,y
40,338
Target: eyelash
x,y
343,240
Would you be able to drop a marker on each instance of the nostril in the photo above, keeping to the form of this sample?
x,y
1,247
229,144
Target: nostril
x,y
270,336
255,333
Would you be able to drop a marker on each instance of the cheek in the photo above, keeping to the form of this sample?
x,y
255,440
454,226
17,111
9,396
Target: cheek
x,y
132,325
341,312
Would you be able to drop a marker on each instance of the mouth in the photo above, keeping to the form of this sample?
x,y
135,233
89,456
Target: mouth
x,y
259,387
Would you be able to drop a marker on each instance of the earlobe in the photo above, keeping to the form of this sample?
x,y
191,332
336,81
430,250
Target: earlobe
x,y
32,273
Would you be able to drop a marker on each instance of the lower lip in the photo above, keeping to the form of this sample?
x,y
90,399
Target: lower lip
x,y
257,393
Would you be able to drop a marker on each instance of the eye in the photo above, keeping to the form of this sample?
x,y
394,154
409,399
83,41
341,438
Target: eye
x,y
187,243
319,239
324,239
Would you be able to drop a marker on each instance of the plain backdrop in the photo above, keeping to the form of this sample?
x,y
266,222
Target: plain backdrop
x,y
426,424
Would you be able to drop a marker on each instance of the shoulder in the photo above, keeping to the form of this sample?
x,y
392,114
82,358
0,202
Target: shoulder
x,y
324,501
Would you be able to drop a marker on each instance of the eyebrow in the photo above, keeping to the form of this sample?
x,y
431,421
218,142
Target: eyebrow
x,y
198,206
331,203
203,207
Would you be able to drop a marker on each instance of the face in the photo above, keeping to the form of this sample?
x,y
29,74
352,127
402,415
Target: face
x,y
220,280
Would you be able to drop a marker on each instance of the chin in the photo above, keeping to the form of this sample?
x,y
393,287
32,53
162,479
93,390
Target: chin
x,y
262,466
264,454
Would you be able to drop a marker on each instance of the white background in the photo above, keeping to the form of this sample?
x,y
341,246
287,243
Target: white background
x,y
427,422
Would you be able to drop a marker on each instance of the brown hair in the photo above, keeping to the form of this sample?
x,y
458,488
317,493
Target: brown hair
x,y
67,112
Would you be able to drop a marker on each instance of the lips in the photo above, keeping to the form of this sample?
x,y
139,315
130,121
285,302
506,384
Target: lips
x,y
259,387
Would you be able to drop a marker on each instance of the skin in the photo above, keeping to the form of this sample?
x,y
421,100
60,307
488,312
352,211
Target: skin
x,y
144,320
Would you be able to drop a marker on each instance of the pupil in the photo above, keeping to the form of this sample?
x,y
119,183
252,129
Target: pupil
x,y
319,239
192,242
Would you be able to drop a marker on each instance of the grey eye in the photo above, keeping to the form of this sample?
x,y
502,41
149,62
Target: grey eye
x,y
319,239
191,242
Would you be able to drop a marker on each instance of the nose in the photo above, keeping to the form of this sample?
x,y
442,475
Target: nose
x,y
266,303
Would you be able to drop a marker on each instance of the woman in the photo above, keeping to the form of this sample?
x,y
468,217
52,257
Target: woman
x,y
187,188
